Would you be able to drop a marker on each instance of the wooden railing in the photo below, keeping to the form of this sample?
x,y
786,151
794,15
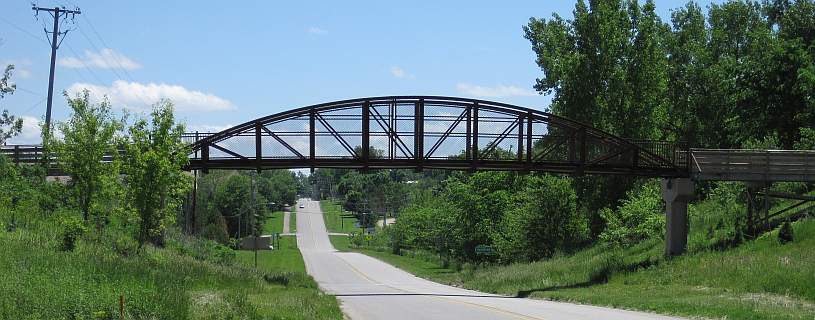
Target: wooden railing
x,y
753,165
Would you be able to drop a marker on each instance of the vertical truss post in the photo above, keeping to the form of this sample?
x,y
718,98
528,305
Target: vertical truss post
x,y
366,134
312,155
391,138
205,157
258,147
520,137
529,140
583,146
475,136
468,148
418,133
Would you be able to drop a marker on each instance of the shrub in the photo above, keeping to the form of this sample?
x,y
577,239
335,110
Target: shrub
x,y
73,228
785,233
124,244
545,221
639,217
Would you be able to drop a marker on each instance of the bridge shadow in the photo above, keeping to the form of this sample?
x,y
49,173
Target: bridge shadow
x,y
527,293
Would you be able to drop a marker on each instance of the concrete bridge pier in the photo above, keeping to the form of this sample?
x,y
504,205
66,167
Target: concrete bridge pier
x,y
676,193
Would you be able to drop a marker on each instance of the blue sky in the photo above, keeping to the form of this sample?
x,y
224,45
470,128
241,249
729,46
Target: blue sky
x,y
224,64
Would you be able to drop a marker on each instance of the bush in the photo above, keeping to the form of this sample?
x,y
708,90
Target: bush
x,y
545,221
639,217
73,229
200,249
124,244
785,233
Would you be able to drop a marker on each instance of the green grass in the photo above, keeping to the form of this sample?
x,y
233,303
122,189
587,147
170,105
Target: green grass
x,y
274,223
298,296
760,279
293,219
40,282
332,214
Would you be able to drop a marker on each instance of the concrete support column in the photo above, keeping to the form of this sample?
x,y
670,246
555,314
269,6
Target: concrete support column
x,y
676,193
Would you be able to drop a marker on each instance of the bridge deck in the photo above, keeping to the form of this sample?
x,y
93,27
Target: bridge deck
x,y
753,165
706,164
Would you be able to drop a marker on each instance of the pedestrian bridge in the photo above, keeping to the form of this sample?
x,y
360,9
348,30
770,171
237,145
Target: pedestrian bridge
x,y
430,132
434,132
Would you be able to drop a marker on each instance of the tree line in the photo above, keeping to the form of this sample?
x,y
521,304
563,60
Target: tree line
x,y
740,74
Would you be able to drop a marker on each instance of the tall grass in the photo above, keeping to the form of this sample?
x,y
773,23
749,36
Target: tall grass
x,y
189,279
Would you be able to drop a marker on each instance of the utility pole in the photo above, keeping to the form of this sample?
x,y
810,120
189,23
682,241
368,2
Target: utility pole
x,y
57,13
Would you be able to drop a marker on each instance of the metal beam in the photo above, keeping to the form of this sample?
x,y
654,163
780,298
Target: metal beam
x,y
284,143
366,134
258,146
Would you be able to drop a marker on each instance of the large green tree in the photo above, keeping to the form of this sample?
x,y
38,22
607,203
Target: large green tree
x,y
156,184
87,151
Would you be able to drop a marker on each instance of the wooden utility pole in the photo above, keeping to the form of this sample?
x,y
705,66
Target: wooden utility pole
x,y
57,13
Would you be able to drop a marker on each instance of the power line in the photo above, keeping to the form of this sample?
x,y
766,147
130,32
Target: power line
x,y
34,106
105,45
29,92
24,31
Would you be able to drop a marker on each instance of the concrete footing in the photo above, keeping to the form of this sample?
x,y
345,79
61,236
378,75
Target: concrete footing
x,y
676,193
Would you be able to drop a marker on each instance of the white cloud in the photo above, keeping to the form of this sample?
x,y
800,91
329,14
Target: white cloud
x,y
397,72
493,92
316,30
208,128
138,96
104,59
30,133
21,67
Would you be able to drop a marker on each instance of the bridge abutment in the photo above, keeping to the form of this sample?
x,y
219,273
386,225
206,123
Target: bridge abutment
x,y
676,193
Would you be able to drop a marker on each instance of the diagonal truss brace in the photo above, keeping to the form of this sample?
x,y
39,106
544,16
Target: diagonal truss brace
x,y
230,152
281,141
446,133
391,133
336,135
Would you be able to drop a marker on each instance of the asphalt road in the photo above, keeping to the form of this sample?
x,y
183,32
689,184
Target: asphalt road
x,y
371,289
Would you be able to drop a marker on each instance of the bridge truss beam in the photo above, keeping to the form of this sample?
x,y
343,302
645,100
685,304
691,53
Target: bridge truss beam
x,y
430,132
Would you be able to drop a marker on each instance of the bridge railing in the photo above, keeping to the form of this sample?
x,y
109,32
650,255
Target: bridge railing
x,y
753,165
22,153
676,152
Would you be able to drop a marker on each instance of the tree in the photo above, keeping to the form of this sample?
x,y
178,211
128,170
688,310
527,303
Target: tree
x,y
89,136
607,68
233,198
544,221
156,184
9,125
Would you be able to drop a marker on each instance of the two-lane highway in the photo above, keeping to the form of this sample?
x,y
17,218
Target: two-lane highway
x,y
371,289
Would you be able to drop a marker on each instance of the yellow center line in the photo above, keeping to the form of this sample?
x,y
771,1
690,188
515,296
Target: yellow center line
x,y
499,310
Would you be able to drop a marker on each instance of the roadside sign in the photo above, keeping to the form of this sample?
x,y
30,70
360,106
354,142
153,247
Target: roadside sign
x,y
482,249
370,230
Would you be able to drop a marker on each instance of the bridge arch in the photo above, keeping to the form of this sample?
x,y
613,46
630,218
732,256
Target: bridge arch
x,y
430,132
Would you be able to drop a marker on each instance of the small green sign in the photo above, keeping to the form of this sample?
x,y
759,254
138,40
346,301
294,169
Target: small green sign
x,y
482,249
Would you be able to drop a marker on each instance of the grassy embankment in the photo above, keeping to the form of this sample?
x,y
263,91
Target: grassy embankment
x,y
293,219
334,220
189,279
761,279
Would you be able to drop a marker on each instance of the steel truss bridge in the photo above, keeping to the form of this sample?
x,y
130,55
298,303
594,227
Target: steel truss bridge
x,y
435,132
430,132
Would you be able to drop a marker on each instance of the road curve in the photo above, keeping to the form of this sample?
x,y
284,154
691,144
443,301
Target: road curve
x,y
371,289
